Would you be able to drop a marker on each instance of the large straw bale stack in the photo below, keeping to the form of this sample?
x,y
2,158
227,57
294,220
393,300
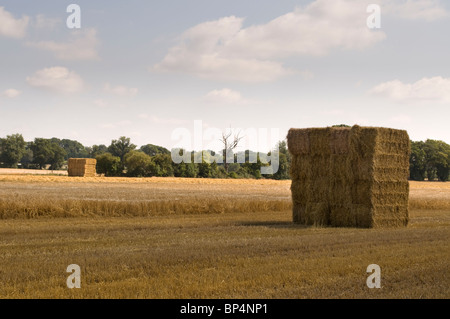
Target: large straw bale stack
x,y
84,167
355,177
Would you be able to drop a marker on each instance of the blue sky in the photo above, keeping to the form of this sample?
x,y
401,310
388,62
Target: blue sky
x,y
145,68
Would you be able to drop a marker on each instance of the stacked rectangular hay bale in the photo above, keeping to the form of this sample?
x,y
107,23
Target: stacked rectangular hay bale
x,y
83,167
354,177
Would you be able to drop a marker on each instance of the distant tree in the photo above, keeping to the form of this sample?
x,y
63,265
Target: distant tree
x,y
244,172
163,165
41,151
438,158
179,170
417,161
251,168
57,156
153,150
13,148
138,164
204,169
233,168
214,170
284,162
27,158
46,151
191,170
184,170
429,159
108,164
74,149
121,147
341,125
96,150
233,175
230,143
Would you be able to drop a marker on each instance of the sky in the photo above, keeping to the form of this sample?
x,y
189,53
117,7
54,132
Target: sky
x,y
149,70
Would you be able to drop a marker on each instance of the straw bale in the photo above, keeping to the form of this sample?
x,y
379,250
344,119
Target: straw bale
x,y
353,177
83,167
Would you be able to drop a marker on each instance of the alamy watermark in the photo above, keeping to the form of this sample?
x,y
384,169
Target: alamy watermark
x,y
374,20
74,280
74,19
374,280
204,140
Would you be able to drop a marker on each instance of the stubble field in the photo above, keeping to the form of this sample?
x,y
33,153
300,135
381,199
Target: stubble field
x,y
205,238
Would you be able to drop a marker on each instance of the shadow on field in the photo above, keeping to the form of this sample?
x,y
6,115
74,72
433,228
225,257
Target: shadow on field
x,y
273,224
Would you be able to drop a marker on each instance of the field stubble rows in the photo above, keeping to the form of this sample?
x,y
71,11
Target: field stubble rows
x,y
60,196
247,251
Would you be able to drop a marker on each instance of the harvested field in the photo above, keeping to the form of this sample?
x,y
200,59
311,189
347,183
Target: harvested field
x,y
240,253
58,196
17,171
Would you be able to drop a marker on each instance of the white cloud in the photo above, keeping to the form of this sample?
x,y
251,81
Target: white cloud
x,y
161,120
435,89
107,125
116,124
120,90
400,119
124,123
171,120
135,134
41,22
332,112
223,49
56,78
11,27
11,93
428,10
223,96
100,103
82,45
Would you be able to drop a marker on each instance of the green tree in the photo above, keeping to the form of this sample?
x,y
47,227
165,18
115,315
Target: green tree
x,y
437,159
284,162
179,170
138,164
163,165
96,150
204,169
215,172
153,150
47,152
57,156
417,161
184,170
341,125
41,151
13,148
191,170
108,164
251,168
121,147
27,158
74,149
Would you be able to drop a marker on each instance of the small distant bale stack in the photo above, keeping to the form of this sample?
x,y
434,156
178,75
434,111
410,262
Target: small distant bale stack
x,y
350,177
83,167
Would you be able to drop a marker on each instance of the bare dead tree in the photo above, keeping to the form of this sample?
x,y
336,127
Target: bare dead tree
x,y
229,144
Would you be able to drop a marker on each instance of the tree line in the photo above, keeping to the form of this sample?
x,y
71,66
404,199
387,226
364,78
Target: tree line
x,y
428,160
123,158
